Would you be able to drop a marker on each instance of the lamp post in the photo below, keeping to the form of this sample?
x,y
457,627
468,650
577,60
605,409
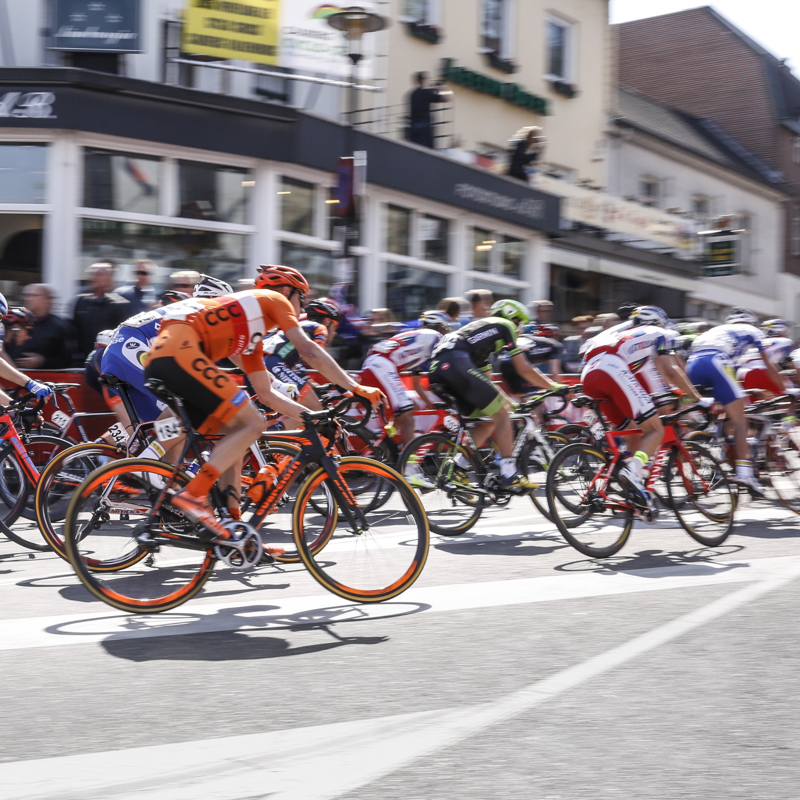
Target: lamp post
x,y
354,22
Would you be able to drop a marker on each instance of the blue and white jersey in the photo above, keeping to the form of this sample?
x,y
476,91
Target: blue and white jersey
x,y
144,326
775,348
732,340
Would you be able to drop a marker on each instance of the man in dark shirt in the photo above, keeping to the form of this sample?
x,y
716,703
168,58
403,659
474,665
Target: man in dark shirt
x,y
420,129
48,346
99,309
141,294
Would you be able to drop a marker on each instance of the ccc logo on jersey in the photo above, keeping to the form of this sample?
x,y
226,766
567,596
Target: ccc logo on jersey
x,y
209,372
223,314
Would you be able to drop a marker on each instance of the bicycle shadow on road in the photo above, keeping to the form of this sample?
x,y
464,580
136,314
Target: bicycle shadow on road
x,y
696,562
788,528
503,547
229,634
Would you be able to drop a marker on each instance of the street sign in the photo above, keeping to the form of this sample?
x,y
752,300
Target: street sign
x,y
111,26
721,256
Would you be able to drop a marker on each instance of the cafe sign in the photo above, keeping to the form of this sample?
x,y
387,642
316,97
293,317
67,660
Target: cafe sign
x,y
105,26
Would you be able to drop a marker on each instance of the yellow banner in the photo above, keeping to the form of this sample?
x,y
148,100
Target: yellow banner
x,y
246,30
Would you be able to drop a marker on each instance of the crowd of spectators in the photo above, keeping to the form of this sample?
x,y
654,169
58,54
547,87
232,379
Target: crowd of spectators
x,y
37,339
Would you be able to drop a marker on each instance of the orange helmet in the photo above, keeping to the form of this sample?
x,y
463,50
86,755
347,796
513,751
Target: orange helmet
x,y
271,276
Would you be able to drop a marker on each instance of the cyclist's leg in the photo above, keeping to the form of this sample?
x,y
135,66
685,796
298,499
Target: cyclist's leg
x,y
381,373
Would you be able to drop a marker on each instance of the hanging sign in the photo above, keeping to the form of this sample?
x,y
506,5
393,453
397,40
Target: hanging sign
x,y
106,26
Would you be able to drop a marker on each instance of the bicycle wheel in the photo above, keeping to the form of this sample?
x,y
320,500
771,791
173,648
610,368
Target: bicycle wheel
x,y
699,493
275,528
783,470
15,489
594,525
388,549
108,511
58,482
451,508
533,461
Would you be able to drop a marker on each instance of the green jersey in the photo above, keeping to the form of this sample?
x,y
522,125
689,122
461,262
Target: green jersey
x,y
481,339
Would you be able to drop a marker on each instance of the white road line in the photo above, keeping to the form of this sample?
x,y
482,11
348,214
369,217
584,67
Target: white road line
x,y
346,755
262,611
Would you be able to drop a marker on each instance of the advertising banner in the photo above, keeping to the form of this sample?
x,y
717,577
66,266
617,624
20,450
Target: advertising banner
x,y
107,26
308,44
245,30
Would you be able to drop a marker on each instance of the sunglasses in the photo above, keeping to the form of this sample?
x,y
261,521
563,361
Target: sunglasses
x,y
142,272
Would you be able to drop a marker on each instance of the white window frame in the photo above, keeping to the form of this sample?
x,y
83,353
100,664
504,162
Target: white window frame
x,y
506,49
570,50
432,15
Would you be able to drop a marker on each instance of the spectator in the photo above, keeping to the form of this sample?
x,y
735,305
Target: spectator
x,y
141,294
99,309
605,321
452,307
571,358
50,342
541,312
420,129
480,303
524,147
184,280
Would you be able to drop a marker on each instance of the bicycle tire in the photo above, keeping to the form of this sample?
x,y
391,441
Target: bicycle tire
x,y
450,512
114,579
533,461
14,502
783,469
384,541
572,506
709,525
55,487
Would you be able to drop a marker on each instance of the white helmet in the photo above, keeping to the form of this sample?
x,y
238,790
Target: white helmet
x,y
650,315
209,286
103,338
775,327
433,319
3,305
741,315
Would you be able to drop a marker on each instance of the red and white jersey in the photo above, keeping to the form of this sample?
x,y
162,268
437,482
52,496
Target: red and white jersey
x,y
408,350
775,348
635,346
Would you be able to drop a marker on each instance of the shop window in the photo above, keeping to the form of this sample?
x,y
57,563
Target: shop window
x,y
499,291
297,206
434,234
223,255
513,254
121,181
398,230
20,253
483,242
334,221
559,49
24,173
315,264
213,192
410,291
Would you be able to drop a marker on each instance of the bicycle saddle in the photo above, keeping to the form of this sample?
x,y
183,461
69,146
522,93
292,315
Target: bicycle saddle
x,y
158,388
112,382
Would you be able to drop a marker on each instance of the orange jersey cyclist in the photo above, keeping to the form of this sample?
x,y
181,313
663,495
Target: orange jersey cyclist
x,y
207,330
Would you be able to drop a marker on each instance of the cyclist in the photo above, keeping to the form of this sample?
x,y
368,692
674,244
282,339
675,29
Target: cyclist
x,y
538,350
199,332
460,362
711,364
125,356
751,373
620,363
10,373
409,350
282,358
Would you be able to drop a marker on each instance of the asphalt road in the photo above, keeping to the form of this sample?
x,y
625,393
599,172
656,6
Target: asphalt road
x,y
515,667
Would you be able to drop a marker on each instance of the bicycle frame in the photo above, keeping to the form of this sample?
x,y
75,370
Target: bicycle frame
x,y
9,433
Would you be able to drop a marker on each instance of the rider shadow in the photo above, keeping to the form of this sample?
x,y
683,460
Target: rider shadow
x,y
768,529
502,547
679,562
225,646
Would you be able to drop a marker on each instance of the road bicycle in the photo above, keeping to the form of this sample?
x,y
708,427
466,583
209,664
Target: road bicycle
x,y
455,506
594,511
135,551
22,455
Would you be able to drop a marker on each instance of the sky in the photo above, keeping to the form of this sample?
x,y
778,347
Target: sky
x,y
774,24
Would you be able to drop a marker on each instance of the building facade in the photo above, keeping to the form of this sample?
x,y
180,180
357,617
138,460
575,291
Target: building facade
x,y
700,63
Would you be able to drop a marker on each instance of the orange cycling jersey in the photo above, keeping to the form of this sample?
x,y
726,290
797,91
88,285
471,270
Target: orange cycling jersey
x,y
234,325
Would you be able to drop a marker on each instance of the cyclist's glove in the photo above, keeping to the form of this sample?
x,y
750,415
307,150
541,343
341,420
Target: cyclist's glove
x,y
561,389
374,396
41,390
706,402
